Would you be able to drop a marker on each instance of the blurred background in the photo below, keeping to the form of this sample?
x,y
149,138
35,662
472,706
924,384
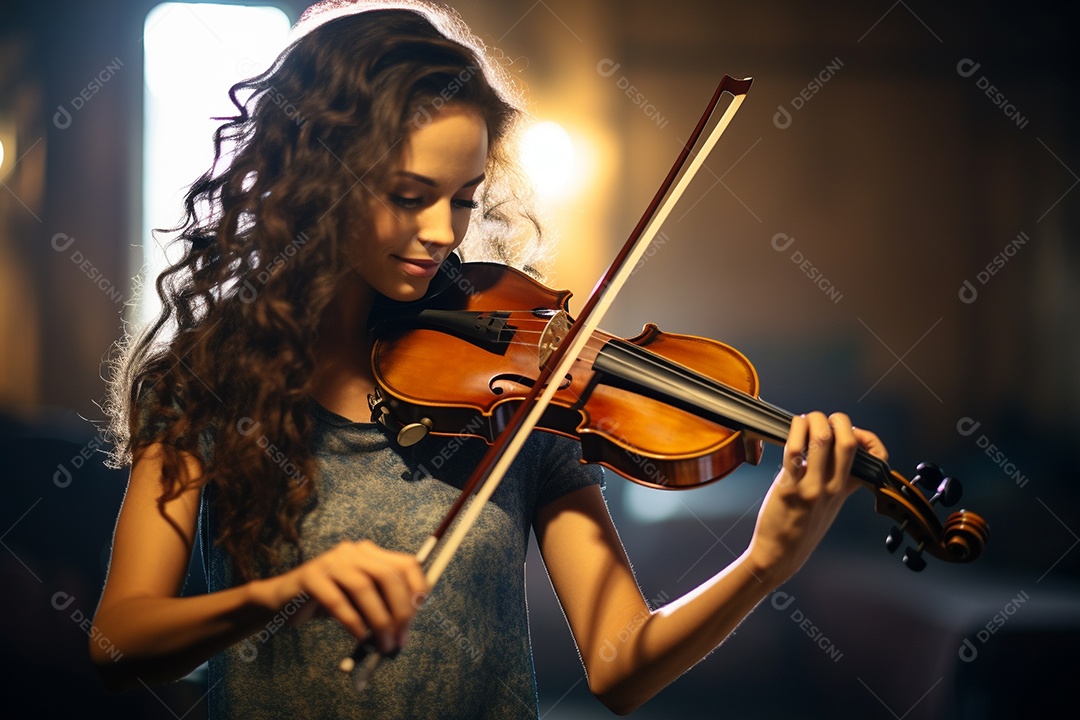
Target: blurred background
x,y
888,228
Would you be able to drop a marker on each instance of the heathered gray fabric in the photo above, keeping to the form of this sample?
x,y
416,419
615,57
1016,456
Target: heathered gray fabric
x,y
468,653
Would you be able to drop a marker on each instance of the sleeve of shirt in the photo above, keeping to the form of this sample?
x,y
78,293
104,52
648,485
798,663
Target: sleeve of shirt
x,y
561,471
151,422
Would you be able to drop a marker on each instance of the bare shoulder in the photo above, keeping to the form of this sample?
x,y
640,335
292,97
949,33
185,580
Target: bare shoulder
x,y
153,540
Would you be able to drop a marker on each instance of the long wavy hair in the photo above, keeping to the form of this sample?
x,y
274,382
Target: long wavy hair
x,y
225,371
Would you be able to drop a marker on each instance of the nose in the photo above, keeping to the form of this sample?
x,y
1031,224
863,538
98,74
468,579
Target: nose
x,y
436,228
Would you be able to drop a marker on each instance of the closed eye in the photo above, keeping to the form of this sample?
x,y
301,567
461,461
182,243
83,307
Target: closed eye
x,y
407,203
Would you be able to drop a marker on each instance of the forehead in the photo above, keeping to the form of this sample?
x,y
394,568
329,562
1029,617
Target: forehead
x,y
453,144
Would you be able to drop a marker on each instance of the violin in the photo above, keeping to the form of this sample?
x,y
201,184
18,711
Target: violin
x,y
663,410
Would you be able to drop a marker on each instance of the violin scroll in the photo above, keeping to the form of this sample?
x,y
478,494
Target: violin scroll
x,y
961,538
965,535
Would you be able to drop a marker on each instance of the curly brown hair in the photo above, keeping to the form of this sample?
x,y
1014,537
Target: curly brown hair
x,y
227,366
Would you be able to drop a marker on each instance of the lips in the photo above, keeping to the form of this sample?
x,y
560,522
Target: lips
x,y
425,268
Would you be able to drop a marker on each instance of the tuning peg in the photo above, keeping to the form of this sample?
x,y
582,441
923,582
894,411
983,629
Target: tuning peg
x,y
948,492
914,560
895,537
927,475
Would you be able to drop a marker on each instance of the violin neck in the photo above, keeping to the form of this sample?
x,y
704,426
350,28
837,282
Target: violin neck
x,y
629,367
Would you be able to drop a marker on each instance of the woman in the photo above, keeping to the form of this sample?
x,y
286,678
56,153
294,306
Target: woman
x,y
244,414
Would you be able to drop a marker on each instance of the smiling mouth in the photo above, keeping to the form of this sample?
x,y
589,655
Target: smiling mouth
x,y
419,268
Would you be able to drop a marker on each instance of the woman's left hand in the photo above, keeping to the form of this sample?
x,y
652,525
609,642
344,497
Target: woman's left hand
x,y
806,495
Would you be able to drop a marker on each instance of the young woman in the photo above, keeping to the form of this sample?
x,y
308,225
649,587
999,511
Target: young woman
x,y
363,157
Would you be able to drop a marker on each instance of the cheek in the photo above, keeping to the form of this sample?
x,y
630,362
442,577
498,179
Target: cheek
x,y
461,225
386,230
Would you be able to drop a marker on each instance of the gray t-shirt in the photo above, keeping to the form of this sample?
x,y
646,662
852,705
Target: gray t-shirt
x,y
468,654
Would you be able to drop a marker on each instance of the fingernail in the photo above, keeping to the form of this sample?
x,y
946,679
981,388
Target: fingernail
x,y
402,637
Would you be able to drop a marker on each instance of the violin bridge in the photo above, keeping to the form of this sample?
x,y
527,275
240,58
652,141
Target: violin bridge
x,y
553,335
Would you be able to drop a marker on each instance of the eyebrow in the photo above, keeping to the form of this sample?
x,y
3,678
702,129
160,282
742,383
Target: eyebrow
x,y
431,183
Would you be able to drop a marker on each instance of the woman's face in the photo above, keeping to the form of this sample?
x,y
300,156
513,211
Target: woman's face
x,y
423,213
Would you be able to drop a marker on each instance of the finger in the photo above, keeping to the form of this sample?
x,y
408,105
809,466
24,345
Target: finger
x,y
415,591
418,591
871,443
400,581
396,579
415,580
331,597
368,599
381,586
819,459
795,448
844,446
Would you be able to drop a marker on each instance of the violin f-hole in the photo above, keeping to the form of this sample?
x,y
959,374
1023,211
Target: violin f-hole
x,y
499,383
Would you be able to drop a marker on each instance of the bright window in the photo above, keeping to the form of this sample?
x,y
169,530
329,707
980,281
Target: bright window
x,y
193,54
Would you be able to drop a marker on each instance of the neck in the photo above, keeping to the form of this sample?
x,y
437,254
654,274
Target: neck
x,y
343,324
343,377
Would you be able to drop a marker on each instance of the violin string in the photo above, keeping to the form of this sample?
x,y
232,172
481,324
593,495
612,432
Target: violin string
x,y
865,465
664,372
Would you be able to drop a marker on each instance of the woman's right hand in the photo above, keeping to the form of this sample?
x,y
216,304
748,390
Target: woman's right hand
x,y
361,585
161,636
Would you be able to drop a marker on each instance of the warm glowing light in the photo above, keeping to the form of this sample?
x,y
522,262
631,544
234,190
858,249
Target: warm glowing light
x,y
547,154
1,154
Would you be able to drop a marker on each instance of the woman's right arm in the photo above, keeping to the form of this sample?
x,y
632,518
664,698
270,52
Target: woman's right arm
x,y
162,637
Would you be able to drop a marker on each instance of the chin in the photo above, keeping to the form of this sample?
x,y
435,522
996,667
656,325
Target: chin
x,y
407,292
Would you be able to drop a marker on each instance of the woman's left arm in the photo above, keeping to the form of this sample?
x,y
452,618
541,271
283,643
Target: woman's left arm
x,y
631,652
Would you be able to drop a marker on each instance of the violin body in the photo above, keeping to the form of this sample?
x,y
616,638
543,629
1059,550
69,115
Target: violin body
x,y
641,438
